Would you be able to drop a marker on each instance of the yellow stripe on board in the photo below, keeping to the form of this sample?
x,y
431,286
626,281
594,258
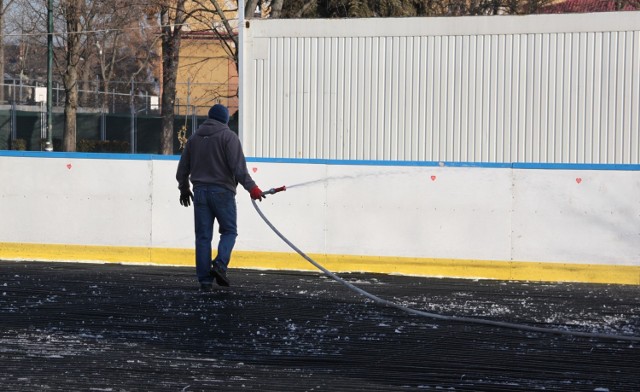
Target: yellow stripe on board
x,y
482,269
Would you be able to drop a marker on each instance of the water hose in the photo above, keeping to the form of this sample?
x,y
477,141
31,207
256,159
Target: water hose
x,y
381,301
273,191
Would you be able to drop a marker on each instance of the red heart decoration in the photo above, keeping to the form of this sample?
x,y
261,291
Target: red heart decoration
x,y
255,169
433,178
69,166
578,180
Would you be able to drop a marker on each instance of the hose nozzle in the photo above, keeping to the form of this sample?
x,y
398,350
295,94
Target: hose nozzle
x,y
274,191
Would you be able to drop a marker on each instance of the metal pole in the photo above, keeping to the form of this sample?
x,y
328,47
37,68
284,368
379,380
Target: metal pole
x,y
133,120
187,113
49,143
194,120
103,125
43,122
14,123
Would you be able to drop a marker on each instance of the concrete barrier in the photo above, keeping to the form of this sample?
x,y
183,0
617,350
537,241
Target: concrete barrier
x,y
497,221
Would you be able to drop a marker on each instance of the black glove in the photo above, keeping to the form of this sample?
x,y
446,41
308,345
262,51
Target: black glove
x,y
185,197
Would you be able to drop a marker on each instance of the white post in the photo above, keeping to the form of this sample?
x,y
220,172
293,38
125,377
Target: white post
x,y
240,68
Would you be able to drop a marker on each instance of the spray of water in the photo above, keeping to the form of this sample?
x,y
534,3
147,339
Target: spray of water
x,y
306,183
337,178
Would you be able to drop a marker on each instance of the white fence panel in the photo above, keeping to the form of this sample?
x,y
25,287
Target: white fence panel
x,y
539,88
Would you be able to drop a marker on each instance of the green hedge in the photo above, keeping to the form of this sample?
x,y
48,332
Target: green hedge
x,y
86,145
118,132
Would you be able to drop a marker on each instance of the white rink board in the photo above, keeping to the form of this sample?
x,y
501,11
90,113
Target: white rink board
x,y
75,201
577,216
474,213
299,213
172,227
437,212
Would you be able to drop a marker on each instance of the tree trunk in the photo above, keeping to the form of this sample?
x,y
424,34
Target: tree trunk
x,y
307,5
171,38
105,95
2,10
86,95
72,13
1,64
276,9
70,110
250,8
170,50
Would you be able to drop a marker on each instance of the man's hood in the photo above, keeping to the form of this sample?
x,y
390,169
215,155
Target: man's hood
x,y
209,127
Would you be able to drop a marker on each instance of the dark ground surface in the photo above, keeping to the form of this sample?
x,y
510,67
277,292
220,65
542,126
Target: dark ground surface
x,y
96,327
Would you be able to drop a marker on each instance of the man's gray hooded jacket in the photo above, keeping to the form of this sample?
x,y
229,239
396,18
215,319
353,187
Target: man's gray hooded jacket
x,y
213,156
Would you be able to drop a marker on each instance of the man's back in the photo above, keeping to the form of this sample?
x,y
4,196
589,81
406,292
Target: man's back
x,y
214,156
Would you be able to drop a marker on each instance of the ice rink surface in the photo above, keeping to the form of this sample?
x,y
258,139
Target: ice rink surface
x,y
113,327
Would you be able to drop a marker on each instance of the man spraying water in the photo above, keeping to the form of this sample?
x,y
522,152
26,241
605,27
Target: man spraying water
x,y
214,162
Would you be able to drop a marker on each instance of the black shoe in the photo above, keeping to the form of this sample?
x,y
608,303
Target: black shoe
x,y
220,275
206,287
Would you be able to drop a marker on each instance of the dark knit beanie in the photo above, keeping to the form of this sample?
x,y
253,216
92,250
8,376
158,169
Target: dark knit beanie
x,y
220,113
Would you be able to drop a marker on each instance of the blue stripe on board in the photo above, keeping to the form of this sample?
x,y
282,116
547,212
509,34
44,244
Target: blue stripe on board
x,y
576,166
89,155
493,165
343,162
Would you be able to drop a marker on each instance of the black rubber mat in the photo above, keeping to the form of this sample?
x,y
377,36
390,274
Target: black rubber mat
x,y
110,327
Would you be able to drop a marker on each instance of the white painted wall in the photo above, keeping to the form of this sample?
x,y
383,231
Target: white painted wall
x,y
480,213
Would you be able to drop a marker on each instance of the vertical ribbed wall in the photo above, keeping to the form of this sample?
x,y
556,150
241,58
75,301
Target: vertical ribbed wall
x,y
516,97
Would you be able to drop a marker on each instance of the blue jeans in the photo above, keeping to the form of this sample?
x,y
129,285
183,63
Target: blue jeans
x,y
213,203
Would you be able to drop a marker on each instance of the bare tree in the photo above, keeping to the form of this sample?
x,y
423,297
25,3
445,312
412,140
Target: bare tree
x,y
4,5
250,8
394,8
307,6
72,11
227,34
26,44
172,16
276,8
124,44
83,21
72,17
